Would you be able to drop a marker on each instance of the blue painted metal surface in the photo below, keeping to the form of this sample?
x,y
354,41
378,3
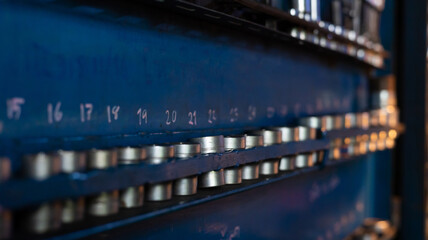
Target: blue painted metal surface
x,y
93,60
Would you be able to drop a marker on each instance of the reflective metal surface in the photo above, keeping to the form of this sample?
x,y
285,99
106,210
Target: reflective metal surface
x,y
211,179
186,186
43,218
131,155
210,144
250,171
306,133
234,142
102,158
287,163
159,153
104,204
72,161
253,140
289,134
159,191
73,210
132,197
41,165
233,175
186,149
270,137
269,166
303,160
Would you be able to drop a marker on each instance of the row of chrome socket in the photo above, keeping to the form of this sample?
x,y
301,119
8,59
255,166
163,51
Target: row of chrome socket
x,y
49,216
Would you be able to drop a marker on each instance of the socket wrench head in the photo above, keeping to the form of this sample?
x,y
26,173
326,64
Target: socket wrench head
x,y
131,155
210,144
186,186
289,134
41,165
269,166
253,140
131,197
270,137
211,179
234,142
159,191
102,158
184,150
72,161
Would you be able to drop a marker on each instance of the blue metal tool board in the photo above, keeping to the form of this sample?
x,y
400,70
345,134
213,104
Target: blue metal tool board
x,y
75,76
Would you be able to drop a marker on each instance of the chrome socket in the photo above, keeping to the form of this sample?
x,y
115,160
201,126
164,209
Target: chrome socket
x,y
317,157
327,123
338,122
270,137
131,197
186,186
234,142
104,204
363,120
287,163
157,154
159,191
5,169
102,158
303,160
306,133
250,171
44,218
5,224
233,175
72,161
252,141
211,179
41,165
210,144
131,155
184,150
350,120
269,166
289,134
73,210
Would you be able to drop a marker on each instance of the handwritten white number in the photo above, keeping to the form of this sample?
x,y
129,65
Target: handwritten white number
x,y
252,112
170,117
86,111
270,112
14,107
112,111
142,116
211,116
234,114
54,114
192,118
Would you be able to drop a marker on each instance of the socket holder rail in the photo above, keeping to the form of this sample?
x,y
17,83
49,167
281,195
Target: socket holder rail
x,y
18,193
373,56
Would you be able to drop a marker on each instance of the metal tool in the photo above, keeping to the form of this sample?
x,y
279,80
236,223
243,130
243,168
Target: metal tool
x,y
287,163
159,191
302,7
5,168
363,120
131,197
41,165
253,140
131,155
5,224
158,154
350,120
102,158
43,218
250,171
270,137
306,133
72,161
233,175
317,157
303,160
73,210
104,204
289,134
209,145
269,166
188,185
